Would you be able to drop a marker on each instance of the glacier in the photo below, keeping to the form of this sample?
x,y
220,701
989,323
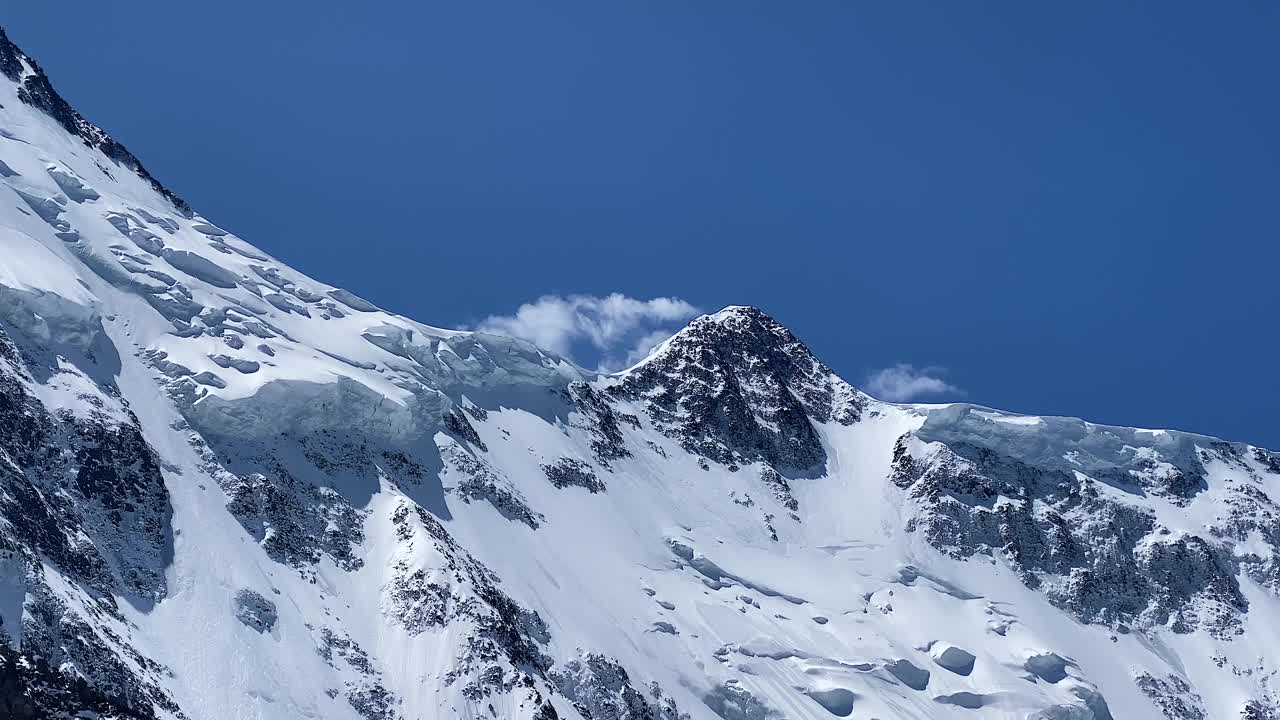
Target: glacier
x,y
228,490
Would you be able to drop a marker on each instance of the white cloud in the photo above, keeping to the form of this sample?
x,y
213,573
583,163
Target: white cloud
x,y
619,329
641,348
904,382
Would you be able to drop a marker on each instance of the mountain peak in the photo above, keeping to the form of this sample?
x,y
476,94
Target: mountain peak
x,y
35,90
737,387
732,327
739,311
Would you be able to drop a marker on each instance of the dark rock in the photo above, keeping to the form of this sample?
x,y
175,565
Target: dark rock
x,y
477,480
418,602
1173,696
95,665
599,418
1268,459
600,688
1260,710
36,91
502,627
567,472
780,487
32,690
737,387
255,611
1096,564
731,701
456,422
366,695
296,522
72,476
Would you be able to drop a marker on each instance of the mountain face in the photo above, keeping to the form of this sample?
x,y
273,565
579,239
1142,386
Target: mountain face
x,y
230,491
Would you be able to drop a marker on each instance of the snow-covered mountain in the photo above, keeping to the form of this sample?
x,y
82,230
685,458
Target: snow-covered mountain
x,y
228,490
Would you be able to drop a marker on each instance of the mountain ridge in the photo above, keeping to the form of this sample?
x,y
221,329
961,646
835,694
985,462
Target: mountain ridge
x,y
230,490
36,90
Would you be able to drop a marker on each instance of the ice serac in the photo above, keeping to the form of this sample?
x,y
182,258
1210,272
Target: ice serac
x,y
35,89
229,490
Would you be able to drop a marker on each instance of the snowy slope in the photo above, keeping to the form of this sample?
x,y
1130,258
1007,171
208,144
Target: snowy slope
x,y
230,491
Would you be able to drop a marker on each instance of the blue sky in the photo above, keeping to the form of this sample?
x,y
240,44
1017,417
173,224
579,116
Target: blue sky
x,y
1066,208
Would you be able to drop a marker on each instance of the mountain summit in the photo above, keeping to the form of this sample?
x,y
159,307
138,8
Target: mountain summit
x,y
228,490
738,387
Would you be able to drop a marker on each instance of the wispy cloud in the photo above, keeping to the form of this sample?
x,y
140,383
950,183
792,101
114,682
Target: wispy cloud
x,y
904,382
619,330
644,345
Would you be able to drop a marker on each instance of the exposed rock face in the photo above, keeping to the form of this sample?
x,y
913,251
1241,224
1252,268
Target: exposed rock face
x,y
297,522
502,651
85,493
32,690
567,472
600,687
1173,696
476,480
456,422
366,693
737,387
1260,710
108,665
732,701
604,423
1106,560
255,611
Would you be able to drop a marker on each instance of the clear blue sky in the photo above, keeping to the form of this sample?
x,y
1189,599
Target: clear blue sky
x,y
1072,207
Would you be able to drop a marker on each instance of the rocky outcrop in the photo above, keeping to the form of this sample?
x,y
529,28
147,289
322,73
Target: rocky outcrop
x,y
83,492
1173,696
296,521
366,694
473,479
598,417
502,650
567,472
1106,560
30,689
601,689
255,611
36,90
737,387
94,662
81,495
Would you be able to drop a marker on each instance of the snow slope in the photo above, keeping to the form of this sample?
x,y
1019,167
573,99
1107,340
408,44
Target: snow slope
x,y
228,490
